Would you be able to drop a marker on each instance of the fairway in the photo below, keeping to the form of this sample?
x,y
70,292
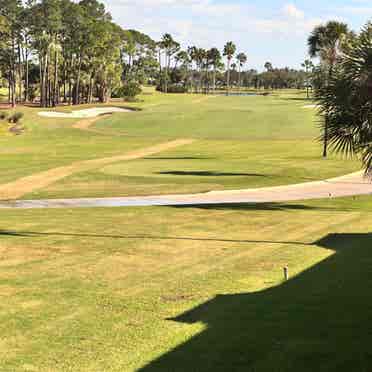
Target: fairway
x,y
238,142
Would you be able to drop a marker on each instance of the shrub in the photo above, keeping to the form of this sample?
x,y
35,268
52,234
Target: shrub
x,y
130,90
16,117
3,115
32,93
173,88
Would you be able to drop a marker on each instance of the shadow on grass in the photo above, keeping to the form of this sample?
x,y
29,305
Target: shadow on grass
x,y
320,320
178,158
35,234
249,206
211,174
296,99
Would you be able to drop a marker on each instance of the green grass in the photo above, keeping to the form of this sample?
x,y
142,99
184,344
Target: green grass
x,y
186,289
49,143
240,142
3,94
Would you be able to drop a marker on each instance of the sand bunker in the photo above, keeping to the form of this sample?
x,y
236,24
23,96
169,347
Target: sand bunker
x,y
310,106
87,113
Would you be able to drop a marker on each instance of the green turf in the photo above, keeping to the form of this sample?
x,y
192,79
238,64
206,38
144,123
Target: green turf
x,y
48,143
187,289
240,142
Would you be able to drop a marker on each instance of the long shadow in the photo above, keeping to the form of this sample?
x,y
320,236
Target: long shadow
x,y
30,234
178,158
249,206
211,174
296,99
320,320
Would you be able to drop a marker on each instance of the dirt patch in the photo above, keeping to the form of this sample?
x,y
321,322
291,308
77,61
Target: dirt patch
x,y
25,185
86,123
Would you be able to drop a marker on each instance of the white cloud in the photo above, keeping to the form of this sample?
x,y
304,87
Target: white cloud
x,y
291,11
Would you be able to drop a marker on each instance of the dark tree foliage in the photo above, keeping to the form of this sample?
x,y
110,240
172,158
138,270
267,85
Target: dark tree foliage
x,y
346,100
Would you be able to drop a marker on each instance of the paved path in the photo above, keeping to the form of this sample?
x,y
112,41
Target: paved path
x,y
349,185
25,185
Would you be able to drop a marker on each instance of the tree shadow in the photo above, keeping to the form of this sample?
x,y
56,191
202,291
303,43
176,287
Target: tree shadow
x,y
178,158
30,234
296,99
249,206
211,174
320,320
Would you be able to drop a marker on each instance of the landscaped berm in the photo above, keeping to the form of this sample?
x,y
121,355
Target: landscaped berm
x,y
171,209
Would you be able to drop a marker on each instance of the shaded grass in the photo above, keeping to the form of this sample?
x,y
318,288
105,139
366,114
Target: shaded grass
x,y
200,288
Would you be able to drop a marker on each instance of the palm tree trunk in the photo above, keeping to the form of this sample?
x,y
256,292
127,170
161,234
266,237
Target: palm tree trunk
x,y
214,78
325,140
228,76
240,82
55,87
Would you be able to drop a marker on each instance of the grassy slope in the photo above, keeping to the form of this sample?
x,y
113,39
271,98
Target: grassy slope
x,y
117,289
49,143
241,142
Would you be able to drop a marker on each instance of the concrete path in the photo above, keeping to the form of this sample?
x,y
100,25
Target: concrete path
x,y
349,185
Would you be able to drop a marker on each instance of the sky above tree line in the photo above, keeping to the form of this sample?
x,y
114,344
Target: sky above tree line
x,y
266,30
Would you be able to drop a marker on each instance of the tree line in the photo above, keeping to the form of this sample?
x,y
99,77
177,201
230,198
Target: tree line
x,y
203,70
63,51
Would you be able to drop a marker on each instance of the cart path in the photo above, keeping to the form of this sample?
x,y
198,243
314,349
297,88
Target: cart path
x,y
16,189
349,185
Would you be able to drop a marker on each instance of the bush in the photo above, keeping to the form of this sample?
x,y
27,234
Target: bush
x,y
16,117
3,115
130,90
173,88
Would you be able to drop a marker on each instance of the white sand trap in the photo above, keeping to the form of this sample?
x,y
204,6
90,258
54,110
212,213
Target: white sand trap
x,y
310,106
87,113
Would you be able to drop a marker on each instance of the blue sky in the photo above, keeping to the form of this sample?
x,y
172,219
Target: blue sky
x,y
266,30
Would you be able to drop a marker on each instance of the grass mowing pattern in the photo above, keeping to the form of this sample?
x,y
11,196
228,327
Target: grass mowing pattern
x,y
125,289
241,142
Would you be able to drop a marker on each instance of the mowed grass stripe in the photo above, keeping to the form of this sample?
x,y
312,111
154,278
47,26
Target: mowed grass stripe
x,y
17,189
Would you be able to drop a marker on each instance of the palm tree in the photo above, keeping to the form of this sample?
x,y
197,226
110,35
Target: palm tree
x,y
198,55
214,56
229,51
346,100
268,66
325,42
308,66
242,60
170,47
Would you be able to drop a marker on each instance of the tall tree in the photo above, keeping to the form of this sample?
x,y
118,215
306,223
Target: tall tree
x,y
216,61
10,11
170,47
308,66
346,100
228,52
242,60
325,42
